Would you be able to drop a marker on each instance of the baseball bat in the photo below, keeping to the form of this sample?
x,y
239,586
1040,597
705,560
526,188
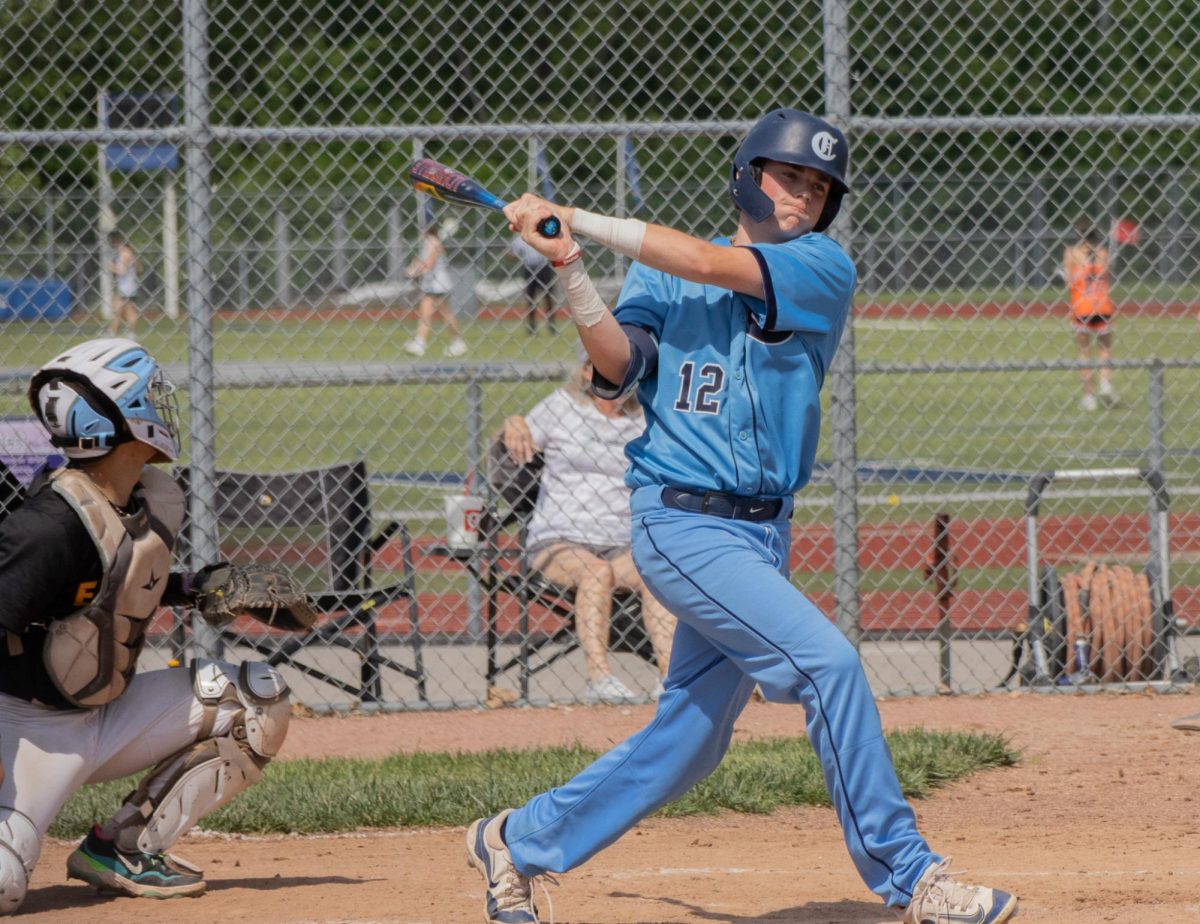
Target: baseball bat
x,y
447,185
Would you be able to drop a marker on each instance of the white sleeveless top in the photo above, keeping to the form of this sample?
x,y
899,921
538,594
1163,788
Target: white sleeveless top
x,y
437,281
127,281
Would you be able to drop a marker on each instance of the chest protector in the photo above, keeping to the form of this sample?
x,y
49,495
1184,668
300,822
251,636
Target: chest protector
x,y
92,654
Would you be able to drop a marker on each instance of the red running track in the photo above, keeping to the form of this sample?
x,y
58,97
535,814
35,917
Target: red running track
x,y
980,543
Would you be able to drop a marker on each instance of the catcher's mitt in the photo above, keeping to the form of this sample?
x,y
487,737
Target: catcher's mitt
x,y
267,593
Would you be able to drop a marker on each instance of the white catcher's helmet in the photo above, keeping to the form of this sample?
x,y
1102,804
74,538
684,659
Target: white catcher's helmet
x,y
102,393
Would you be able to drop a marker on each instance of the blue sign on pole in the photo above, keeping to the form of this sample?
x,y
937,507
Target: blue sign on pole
x,y
140,110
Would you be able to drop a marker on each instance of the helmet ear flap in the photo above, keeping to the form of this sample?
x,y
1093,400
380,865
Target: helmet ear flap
x,y
833,204
81,421
747,195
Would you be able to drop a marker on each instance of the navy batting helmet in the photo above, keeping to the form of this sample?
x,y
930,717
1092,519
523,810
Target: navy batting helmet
x,y
790,137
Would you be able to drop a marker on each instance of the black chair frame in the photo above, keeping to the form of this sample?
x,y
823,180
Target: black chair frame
x,y
512,496
336,498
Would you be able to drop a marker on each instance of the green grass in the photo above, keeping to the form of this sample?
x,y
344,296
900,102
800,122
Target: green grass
x,y
987,421
993,421
424,790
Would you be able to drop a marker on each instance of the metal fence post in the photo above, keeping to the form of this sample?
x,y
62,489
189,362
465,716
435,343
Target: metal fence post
x,y
395,244
475,463
283,269
1156,446
842,384
205,540
341,246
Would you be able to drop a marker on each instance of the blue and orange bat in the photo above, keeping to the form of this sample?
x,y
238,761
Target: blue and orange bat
x,y
447,185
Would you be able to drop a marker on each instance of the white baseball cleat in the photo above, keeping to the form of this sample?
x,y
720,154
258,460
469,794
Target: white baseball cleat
x,y
939,898
1088,403
458,347
509,898
415,347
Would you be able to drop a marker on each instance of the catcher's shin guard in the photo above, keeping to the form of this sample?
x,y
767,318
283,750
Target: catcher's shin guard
x,y
20,846
207,775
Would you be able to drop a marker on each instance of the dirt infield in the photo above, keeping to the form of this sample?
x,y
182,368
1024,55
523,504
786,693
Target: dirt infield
x,y
1099,823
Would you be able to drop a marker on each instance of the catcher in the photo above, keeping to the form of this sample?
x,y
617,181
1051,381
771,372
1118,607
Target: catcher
x,y
84,564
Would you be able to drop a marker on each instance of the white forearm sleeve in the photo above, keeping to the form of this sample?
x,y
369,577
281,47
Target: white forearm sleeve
x,y
624,235
582,298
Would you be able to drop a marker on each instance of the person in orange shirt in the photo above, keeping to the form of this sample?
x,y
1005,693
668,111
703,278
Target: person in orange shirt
x,y
1086,268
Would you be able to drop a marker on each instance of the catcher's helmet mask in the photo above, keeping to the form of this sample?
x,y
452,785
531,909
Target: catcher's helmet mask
x,y
790,137
103,393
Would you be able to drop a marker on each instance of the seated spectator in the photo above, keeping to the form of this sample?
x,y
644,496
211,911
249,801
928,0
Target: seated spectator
x,y
579,535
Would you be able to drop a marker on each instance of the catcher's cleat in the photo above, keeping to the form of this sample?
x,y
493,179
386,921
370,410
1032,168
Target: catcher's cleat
x,y
509,897
939,898
141,875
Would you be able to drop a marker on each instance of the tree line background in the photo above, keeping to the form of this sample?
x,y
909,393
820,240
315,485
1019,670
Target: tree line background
x,y
315,62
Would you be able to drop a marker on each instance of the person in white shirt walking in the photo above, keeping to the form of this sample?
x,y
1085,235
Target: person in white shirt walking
x,y
433,270
125,278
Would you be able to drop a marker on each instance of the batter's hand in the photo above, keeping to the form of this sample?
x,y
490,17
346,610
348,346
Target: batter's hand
x,y
523,216
518,440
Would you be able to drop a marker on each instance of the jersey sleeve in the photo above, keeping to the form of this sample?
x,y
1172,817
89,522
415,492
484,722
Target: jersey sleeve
x,y
645,297
643,361
809,285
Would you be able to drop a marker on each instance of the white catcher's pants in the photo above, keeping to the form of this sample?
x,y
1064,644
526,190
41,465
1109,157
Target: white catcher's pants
x,y
48,753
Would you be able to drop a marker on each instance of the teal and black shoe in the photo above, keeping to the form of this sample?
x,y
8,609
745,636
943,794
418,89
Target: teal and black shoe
x,y
141,875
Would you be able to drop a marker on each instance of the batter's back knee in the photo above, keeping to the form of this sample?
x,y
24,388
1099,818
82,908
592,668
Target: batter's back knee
x,y
20,846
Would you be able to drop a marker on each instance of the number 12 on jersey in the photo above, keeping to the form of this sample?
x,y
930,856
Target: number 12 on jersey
x,y
708,385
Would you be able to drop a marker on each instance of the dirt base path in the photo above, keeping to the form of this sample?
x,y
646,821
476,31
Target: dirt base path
x,y
1100,823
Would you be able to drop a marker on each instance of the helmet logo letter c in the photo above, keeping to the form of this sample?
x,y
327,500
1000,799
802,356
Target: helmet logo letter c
x,y
824,145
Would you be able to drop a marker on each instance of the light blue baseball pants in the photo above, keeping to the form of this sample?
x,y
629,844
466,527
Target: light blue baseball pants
x,y
741,622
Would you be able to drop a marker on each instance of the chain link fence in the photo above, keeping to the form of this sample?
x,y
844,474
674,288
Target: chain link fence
x,y
988,499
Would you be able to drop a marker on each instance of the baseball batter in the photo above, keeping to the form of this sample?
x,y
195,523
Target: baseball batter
x,y
84,564
728,343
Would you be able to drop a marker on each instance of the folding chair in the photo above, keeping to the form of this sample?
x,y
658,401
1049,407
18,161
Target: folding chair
x,y
504,571
332,506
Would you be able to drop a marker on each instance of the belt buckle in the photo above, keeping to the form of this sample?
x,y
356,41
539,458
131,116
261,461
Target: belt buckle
x,y
705,498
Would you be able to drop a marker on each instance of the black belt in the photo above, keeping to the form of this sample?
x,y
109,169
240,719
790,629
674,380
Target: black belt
x,y
720,504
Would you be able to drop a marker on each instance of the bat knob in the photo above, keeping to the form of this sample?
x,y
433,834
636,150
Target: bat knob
x,y
550,227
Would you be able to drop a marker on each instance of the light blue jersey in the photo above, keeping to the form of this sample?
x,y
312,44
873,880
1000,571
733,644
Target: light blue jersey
x,y
733,404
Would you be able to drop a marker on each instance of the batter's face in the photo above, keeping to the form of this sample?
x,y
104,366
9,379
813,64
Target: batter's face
x,y
799,194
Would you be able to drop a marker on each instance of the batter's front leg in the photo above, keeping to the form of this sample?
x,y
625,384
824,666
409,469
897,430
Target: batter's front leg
x,y
725,579
690,733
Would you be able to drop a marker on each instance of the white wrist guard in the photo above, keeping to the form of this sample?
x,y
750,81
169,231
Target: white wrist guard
x,y
582,298
624,235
